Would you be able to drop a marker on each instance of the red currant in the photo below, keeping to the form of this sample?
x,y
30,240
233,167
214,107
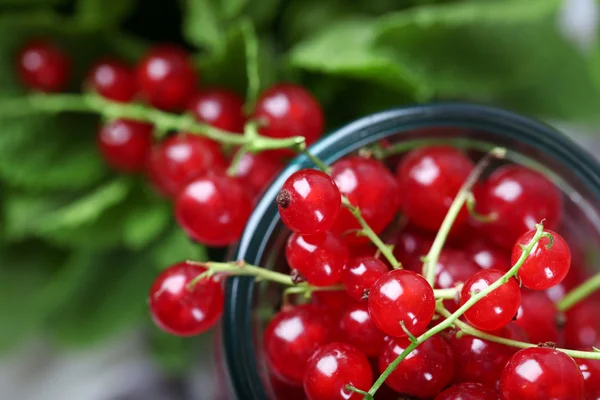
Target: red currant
x,y
467,391
361,274
590,370
541,373
576,276
426,370
453,267
358,329
330,301
545,266
309,201
166,77
320,258
401,296
537,315
411,245
289,110
179,159
125,144
291,338
334,366
283,391
429,179
221,108
114,80
370,187
486,255
520,198
582,328
182,310
213,209
497,308
256,171
43,66
481,361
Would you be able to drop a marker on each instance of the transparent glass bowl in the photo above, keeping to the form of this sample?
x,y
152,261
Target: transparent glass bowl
x,y
529,142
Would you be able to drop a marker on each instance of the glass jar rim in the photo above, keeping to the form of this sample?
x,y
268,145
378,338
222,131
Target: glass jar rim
x,y
240,353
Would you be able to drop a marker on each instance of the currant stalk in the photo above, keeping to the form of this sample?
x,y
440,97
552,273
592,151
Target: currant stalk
x,y
579,293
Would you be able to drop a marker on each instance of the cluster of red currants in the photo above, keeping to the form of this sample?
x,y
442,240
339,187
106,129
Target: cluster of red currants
x,y
341,337
210,205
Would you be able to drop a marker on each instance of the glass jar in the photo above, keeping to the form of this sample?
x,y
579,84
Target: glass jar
x,y
529,142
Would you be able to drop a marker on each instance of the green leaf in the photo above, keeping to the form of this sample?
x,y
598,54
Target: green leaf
x,y
233,8
146,222
173,354
203,25
174,247
102,13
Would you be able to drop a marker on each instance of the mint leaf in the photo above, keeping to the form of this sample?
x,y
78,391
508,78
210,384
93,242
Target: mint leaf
x,y
146,221
102,13
233,8
203,25
174,247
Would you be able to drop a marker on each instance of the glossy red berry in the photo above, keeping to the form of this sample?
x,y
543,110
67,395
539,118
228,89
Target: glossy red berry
x,y
497,308
453,267
334,366
333,301
256,171
429,178
545,266
401,296
467,391
166,77
213,209
487,255
411,245
541,373
590,370
43,66
125,144
220,108
582,327
319,258
357,329
576,276
361,274
538,317
289,110
179,159
182,310
520,198
371,187
291,338
309,201
114,80
425,372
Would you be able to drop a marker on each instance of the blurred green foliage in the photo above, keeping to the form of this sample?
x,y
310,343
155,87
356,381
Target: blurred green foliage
x,y
80,245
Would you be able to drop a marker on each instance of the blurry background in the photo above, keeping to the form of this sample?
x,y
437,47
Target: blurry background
x,y
80,245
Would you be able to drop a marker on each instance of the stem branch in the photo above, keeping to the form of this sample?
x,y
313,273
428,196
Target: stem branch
x,y
579,293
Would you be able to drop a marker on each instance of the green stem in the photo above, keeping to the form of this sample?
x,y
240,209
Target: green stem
x,y
449,321
317,161
469,330
235,162
451,293
432,257
240,268
368,232
252,60
579,293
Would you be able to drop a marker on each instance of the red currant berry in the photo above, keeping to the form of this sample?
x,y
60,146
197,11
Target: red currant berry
x,y
411,245
486,255
545,266
320,258
361,274
582,328
334,366
358,329
401,296
213,209
537,316
541,373
481,361
182,310
125,144
330,301
220,108
429,179
590,370
425,372
256,171
309,202
283,391
369,186
166,77
497,308
520,198
289,110
576,276
467,391
453,267
291,338
177,160
114,80
43,66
